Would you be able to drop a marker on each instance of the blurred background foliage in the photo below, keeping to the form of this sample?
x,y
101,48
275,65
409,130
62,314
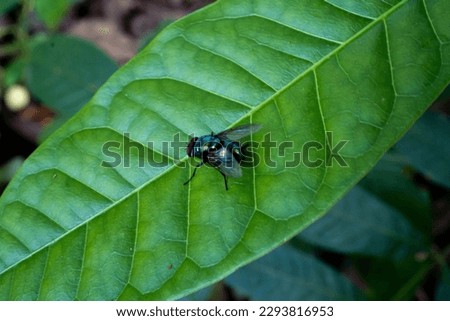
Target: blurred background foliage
x,y
388,239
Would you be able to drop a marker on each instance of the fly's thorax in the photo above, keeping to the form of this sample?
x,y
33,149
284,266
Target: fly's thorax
x,y
206,144
231,145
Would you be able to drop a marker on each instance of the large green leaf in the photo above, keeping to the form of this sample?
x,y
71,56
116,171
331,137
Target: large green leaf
x,y
73,229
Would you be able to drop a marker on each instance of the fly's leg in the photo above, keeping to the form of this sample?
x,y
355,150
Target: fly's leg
x,y
193,174
225,179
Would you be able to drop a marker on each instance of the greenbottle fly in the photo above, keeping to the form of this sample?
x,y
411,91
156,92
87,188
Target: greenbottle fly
x,y
222,151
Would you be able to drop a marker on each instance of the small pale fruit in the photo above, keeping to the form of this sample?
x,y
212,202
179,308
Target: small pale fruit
x,y
17,97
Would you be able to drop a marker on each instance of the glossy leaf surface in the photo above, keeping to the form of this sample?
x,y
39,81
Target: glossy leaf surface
x,y
307,71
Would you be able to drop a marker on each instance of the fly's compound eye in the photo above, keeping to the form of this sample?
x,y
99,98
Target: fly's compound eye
x,y
190,147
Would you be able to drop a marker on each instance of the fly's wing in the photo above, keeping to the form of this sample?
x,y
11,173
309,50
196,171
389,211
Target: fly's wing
x,y
224,161
238,132
231,167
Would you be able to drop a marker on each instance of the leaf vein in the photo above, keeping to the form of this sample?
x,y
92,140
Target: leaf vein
x,y
256,15
234,62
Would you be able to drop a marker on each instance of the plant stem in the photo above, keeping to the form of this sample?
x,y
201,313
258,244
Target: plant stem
x,y
22,25
412,283
10,49
19,31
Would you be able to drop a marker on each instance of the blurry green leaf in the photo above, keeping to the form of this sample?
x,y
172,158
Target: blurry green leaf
x,y
363,224
8,170
443,288
305,70
64,72
51,12
445,95
287,274
14,72
6,5
427,149
388,280
390,181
